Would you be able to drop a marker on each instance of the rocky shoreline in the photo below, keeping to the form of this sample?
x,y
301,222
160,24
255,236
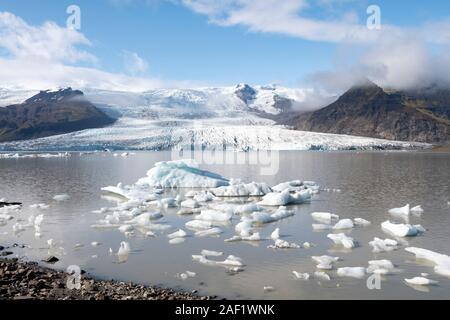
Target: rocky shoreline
x,y
21,280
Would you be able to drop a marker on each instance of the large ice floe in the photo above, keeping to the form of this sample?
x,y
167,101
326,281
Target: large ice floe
x,y
402,230
441,261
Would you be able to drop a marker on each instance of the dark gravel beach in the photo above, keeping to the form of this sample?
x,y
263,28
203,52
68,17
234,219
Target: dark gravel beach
x,y
28,280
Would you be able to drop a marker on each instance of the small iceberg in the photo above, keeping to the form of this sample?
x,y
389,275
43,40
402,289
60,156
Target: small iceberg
x,y
214,215
210,253
282,244
199,225
324,217
275,235
178,234
441,261
400,211
292,186
325,262
215,231
342,239
420,281
181,174
344,224
190,203
380,266
301,276
285,198
252,189
177,240
322,276
361,222
401,230
380,245
352,272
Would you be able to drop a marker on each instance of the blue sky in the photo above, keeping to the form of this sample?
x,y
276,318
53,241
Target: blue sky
x,y
180,42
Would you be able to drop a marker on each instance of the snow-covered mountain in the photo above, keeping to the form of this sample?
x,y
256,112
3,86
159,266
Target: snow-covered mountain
x,y
237,118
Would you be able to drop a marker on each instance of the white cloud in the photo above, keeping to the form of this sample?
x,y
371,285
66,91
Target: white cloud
x,y
48,56
46,42
133,63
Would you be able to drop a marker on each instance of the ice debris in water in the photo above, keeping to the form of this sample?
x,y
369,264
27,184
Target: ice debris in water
x,y
252,189
353,272
295,185
417,209
342,239
61,197
321,227
322,276
301,276
178,234
215,231
177,240
124,249
268,289
380,245
380,266
361,222
214,215
325,262
441,261
420,281
190,203
282,244
41,206
286,198
211,253
264,217
187,274
343,224
324,217
199,225
275,235
402,230
230,261
181,174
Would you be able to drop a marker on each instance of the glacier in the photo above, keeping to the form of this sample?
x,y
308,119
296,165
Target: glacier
x,y
223,118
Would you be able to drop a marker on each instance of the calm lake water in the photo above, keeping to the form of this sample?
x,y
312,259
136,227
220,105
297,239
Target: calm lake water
x,y
370,184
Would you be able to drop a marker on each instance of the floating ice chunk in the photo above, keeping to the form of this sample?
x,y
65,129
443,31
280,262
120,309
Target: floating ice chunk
x,y
125,154
181,174
51,243
10,209
177,240
204,196
342,239
400,211
282,213
210,253
361,222
252,189
178,234
213,215
322,275
190,194
253,237
144,219
282,244
400,230
232,261
441,261
306,245
262,217
353,272
421,281
165,203
275,234
187,274
268,289
247,208
325,262
380,266
301,276
244,227
149,234
294,185
199,225
417,209
320,227
380,245
95,244
157,227
324,217
343,224
124,250
285,198
190,203
203,260
61,197
209,232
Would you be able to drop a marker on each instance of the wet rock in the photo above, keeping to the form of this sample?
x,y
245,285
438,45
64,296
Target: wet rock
x,y
51,259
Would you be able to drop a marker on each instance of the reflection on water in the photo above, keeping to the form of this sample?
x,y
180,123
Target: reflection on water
x,y
370,184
